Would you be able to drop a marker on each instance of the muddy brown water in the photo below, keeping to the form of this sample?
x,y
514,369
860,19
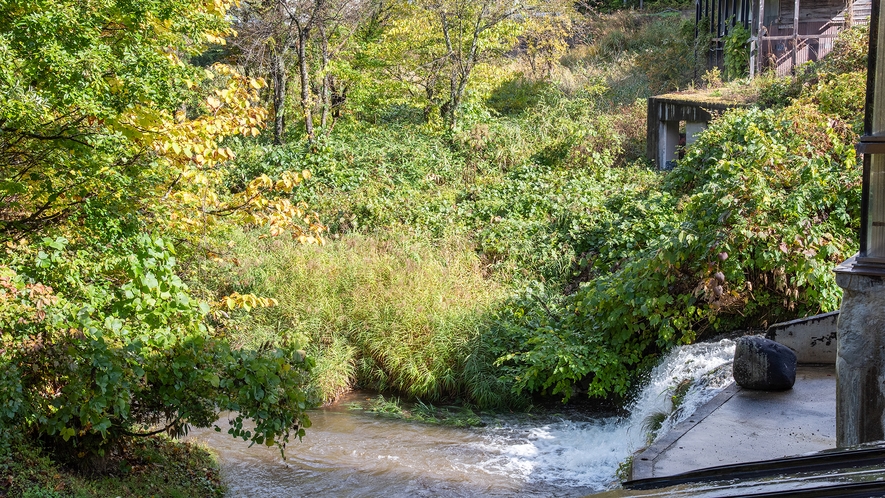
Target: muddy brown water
x,y
352,453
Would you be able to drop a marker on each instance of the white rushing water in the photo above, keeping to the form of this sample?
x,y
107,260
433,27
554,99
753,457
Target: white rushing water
x,y
587,453
348,453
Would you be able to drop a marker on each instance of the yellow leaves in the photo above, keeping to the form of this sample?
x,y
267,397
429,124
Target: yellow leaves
x,y
114,84
245,301
224,153
259,183
213,103
289,180
220,6
214,38
232,110
195,197
309,239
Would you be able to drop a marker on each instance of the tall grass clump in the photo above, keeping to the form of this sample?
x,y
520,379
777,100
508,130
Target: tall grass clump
x,y
381,311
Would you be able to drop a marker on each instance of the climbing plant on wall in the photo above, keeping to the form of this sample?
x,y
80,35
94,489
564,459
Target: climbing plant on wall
x,y
737,52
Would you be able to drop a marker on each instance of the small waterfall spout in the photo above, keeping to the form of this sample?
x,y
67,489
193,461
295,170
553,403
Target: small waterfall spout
x,y
570,452
686,379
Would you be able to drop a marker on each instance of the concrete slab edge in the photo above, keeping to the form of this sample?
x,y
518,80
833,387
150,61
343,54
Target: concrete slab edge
x,y
644,460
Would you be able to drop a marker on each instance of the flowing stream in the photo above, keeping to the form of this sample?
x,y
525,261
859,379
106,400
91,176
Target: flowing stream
x,y
354,453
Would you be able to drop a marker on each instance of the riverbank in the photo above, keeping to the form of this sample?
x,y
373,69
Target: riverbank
x,y
351,450
152,466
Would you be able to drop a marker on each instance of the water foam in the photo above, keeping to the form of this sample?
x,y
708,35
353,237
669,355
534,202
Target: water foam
x,y
707,366
587,453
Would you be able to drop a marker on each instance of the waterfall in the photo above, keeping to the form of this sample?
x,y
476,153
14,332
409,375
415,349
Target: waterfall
x,y
570,452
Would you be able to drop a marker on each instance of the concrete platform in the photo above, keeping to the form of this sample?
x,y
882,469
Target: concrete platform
x,y
741,425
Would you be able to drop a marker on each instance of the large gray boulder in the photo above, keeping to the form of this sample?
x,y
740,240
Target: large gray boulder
x,y
763,364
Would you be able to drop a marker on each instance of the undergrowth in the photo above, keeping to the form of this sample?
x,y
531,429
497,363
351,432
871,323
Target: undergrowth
x,y
531,250
154,466
380,311
527,250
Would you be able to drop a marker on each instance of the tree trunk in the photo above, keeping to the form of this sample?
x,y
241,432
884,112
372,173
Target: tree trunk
x,y
278,74
325,92
467,67
306,104
337,97
447,110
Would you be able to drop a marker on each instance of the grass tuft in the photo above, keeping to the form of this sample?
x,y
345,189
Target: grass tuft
x,y
379,311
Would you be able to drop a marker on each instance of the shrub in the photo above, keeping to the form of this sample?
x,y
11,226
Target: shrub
x,y
736,50
837,83
97,347
746,231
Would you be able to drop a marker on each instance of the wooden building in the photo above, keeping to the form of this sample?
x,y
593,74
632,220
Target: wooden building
x,y
784,33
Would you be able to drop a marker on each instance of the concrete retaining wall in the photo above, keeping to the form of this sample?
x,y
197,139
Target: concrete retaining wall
x,y
812,338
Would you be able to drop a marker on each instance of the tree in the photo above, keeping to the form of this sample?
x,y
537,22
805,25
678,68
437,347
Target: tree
x,y
433,46
107,114
263,42
318,31
471,32
546,39
101,119
77,103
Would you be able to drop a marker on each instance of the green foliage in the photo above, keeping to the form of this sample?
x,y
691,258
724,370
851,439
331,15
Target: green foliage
x,y
678,45
154,466
382,312
625,469
836,84
849,52
420,412
626,50
736,50
652,425
526,195
75,102
611,6
841,96
538,191
840,89
105,133
610,263
102,345
745,231
516,95
432,54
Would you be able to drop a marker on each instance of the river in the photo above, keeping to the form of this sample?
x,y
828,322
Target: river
x,y
352,453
